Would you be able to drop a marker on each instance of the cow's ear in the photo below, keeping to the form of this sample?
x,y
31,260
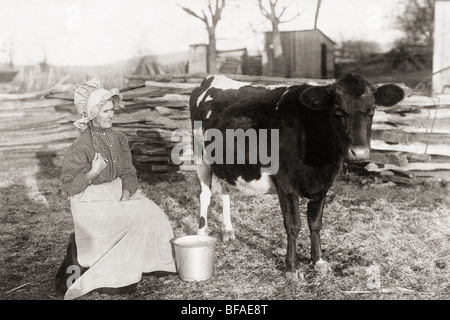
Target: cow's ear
x,y
388,95
317,98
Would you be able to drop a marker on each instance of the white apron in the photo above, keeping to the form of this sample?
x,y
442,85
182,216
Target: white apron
x,y
118,240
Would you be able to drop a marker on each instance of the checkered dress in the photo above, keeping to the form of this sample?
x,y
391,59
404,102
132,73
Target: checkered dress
x,y
113,146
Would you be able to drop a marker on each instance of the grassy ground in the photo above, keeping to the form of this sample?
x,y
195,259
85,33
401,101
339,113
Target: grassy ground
x,y
405,231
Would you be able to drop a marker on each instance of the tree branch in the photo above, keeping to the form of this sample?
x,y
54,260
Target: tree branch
x,y
263,10
218,13
206,18
220,8
283,11
289,20
273,3
210,8
273,8
316,16
192,13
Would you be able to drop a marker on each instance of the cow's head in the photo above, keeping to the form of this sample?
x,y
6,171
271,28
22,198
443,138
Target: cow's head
x,y
351,103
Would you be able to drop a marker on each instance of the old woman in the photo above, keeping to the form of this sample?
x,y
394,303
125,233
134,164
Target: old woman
x,y
119,233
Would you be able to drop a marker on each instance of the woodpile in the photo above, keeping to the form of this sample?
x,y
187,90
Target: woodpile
x,y
41,123
410,141
32,127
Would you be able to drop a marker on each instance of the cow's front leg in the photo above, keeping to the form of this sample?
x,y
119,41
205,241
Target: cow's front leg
x,y
227,227
289,203
315,211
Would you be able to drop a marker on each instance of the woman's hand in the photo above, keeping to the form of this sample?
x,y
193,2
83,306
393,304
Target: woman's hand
x,y
126,194
98,164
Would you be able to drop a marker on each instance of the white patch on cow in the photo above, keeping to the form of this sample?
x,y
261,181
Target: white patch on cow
x,y
261,186
224,83
226,214
200,98
209,98
208,114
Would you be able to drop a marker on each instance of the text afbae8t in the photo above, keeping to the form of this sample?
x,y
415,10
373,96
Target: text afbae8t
x,y
229,309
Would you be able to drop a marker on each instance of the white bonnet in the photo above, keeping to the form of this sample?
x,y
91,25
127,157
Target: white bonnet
x,y
90,97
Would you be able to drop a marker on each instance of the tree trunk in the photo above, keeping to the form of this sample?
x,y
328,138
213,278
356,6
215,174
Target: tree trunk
x,y
11,62
212,54
279,64
319,2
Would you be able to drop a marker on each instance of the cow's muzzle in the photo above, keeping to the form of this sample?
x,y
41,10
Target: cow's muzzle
x,y
358,153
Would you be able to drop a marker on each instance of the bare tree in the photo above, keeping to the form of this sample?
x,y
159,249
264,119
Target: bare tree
x,y
316,17
210,16
9,49
275,12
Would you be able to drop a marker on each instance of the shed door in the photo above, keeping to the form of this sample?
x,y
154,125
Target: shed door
x,y
323,62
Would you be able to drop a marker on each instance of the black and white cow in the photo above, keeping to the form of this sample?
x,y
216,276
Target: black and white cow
x,y
317,128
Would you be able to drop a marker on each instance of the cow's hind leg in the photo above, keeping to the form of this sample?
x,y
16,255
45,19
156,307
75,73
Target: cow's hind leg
x,y
315,211
205,175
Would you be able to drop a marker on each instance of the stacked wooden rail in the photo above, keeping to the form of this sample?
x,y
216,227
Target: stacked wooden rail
x,y
412,139
43,125
409,141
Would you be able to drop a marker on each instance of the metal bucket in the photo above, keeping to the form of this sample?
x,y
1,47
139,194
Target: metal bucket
x,y
194,257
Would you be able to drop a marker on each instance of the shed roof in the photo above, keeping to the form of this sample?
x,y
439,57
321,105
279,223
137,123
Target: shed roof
x,y
308,31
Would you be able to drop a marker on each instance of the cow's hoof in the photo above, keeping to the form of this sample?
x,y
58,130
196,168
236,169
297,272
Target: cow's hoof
x,y
296,275
228,236
322,267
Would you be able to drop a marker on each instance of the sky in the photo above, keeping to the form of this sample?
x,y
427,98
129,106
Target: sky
x,y
88,32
